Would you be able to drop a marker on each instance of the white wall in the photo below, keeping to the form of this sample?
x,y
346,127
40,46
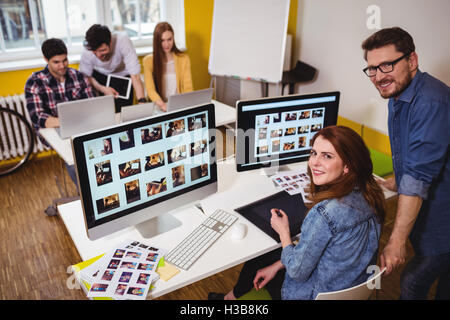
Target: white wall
x,y
329,37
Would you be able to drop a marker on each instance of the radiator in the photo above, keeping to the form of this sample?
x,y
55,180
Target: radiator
x,y
12,143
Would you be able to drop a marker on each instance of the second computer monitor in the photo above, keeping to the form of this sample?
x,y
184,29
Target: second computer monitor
x,y
277,131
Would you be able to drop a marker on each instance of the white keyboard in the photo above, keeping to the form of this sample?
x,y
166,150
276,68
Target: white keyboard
x,y
195,244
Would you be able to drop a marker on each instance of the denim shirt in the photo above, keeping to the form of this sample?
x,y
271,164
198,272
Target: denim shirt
x,y
419,133
338,241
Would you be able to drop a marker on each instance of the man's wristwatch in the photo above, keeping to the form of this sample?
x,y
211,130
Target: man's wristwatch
x,y
142,100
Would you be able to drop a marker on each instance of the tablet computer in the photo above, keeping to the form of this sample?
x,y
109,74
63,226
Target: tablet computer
x,y
121,84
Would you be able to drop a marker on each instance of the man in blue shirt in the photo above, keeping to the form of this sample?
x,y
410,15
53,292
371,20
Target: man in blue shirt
x,y
418,123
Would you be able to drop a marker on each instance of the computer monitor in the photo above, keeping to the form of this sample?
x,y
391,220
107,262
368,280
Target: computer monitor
x,y
136,172
273,132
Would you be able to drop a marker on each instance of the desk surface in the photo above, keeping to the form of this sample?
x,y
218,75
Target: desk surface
x,y
235,190
224,115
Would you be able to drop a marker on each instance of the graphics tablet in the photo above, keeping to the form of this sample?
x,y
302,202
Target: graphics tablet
x,y
258,212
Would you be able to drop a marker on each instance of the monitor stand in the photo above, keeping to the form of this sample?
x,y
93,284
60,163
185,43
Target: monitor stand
x,y
158,225
273,170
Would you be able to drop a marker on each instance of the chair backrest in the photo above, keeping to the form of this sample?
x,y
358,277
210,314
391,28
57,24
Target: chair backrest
x,y
359,292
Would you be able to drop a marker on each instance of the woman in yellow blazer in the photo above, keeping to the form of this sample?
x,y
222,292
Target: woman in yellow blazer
x,y
168,70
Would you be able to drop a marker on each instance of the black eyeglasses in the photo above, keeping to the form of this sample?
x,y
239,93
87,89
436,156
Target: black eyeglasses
x,y
385,67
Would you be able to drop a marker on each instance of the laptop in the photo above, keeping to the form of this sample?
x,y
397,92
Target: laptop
x,y
189,99
138,111
84,115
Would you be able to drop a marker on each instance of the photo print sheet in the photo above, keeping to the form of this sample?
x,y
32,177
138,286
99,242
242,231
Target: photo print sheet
x,y
126,271
293,182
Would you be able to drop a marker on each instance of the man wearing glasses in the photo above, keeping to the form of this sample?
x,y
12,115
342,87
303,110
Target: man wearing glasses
x,y
419,133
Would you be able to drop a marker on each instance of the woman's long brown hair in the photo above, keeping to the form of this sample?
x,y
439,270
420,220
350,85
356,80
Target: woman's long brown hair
x,y
159,56
355,154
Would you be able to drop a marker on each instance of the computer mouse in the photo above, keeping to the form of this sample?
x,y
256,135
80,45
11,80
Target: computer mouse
x,y
238,231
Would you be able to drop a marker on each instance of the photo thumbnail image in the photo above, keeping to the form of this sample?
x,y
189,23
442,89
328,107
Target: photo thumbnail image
x,y
178,176
290,116
100,147
174,128
132,191
176,154
316,127
262,133
108,275
143,278
318,113
197,122
126,140
275,145
302,142
129,168
262,120
262,149
290,131
99,287
151,134
156,187
276,117
108,203
304,115
276,133
135,291
120,290
198,147
199,172
125,277
303,129
103,172
288,146
154,161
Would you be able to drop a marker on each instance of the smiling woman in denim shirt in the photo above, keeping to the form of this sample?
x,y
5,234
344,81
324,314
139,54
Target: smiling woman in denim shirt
x,y
339,236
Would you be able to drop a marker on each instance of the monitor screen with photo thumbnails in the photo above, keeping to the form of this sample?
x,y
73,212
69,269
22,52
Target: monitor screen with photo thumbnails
x,y
278,131
134,172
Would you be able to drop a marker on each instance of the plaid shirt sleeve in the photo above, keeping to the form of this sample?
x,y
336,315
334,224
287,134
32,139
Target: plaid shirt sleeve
x,y
35,104
82,83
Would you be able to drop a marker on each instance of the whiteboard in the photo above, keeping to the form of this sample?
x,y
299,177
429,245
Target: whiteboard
x,y
248,39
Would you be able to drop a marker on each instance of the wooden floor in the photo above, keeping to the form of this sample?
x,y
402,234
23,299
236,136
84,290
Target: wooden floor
x,y
36,250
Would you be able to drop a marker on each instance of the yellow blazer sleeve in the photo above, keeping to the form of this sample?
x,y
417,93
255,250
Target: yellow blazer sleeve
x,y
183,73
147,63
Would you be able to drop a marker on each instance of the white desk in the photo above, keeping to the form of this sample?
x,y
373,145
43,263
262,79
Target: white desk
x,y
235,190
224,115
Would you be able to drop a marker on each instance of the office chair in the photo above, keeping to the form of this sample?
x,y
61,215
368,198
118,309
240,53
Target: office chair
x,y
302,72
359,292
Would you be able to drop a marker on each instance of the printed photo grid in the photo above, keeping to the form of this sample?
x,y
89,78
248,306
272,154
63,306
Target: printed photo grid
x,y
294,182
284,132
124,272
141,164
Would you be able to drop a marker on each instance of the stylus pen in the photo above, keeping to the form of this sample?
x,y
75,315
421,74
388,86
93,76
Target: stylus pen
x,y
200,208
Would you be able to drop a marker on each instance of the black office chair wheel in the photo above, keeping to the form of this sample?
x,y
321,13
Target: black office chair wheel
x,y
51,211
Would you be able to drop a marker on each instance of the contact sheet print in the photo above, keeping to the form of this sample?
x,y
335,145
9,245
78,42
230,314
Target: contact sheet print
x,y
124,272
294,182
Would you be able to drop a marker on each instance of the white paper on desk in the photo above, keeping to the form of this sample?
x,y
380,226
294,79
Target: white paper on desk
x,y
293,182
127,271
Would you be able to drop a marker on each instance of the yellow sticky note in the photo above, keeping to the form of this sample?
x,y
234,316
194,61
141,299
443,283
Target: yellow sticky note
x,y
167,271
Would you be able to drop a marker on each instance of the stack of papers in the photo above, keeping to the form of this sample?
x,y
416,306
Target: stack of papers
x,y
124,272
293,182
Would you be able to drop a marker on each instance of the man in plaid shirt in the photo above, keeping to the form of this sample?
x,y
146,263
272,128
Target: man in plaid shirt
x,y
54,84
